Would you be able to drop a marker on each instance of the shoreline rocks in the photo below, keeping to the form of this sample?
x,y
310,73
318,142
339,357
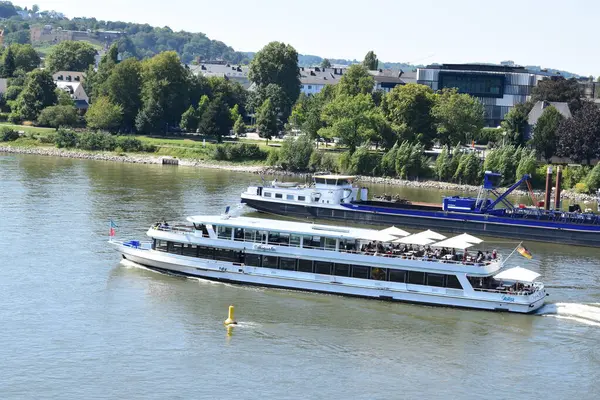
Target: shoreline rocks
x,y
265,170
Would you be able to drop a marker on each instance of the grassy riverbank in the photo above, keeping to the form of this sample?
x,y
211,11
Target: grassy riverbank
x,y
237,155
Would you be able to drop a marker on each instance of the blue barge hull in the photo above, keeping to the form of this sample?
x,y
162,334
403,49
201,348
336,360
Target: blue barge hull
x,y
517,228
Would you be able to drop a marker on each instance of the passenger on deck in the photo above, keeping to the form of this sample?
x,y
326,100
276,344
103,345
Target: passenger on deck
x,y
494,254
488,256
479,256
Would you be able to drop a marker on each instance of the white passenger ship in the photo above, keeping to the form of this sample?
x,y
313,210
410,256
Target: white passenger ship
x,y
336,260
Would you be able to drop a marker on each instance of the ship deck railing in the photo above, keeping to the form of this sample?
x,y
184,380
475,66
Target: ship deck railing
x,y
528,290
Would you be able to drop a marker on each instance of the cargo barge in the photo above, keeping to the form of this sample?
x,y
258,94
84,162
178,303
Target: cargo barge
x,y
336,197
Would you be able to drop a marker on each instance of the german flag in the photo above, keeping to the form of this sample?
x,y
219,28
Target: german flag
x,y
524,252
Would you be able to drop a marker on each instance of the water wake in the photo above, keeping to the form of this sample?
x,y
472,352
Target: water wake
x,y
588,314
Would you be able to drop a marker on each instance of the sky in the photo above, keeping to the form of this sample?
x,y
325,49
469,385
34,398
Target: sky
x,y
550,33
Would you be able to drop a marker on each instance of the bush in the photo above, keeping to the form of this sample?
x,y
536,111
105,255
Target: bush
x,y
362,162
130,144
273,158
8,135
66,139
97,141
574,174
47,139
411,161
320,161
14,118
593,179
582,188
4,117
238,152
489,135
296,152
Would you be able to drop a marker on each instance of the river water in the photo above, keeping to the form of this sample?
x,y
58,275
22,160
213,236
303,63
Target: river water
x,y
78,324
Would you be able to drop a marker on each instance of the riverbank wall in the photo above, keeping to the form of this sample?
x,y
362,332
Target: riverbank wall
x,y
264,170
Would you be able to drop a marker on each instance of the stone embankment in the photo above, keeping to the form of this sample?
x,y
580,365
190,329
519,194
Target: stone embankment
x,y
257,169
134,159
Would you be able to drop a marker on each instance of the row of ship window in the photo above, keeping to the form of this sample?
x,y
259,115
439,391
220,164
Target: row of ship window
x,y
287,196
283,239
302,265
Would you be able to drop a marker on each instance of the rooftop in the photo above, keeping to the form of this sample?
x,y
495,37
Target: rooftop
x,y
539,107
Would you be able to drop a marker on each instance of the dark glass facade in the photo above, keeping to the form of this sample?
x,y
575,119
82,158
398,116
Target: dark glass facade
x,y
479,85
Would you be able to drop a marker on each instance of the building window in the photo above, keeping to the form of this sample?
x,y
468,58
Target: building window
x,y
206,252
295,240
278,196
267,194
289,197
161,245
309,87
301,198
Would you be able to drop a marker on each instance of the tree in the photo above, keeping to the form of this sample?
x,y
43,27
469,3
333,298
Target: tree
x,y
35,8
558,89
544,132
371,62
266,120
216,120
63,98
443,166
7,10
235,113
459,117
408,109
124,88
277,63
8,63
515,123
579,136
71,56
165,82
295,153
58,116
239,127
189,120
26,58
149,119
104,115
353,119
101,76
356,80
202,106
38,93
325,63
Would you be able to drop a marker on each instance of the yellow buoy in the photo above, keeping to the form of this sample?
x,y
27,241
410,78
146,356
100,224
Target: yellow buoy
x,y
230,320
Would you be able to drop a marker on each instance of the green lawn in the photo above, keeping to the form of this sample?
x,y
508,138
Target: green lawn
x,y
45,48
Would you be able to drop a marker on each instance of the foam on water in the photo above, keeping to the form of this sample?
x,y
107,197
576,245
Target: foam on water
x,y
588,314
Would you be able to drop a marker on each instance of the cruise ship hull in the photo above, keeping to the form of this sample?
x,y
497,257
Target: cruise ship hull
x,y
347,286
481,224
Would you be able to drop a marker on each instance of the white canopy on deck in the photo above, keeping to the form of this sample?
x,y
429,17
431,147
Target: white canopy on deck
x,y
429,234
415,239
469,238
377,237
518,274
454,243
392,230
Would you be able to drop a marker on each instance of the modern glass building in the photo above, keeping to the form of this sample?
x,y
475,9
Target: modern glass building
x,y
498,87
